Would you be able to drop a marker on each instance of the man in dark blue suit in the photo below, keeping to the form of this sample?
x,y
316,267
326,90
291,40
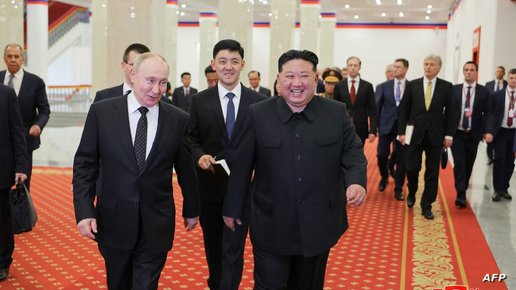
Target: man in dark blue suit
x,y
389,97
182,96
32,97
470,105
13,168
500,129
493,86
254,83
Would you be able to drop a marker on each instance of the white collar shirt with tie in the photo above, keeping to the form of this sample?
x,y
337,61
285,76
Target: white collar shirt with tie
x,y
471,102
186,91
224,100
506,111
134,116
126,88
357,82
402,89
17,80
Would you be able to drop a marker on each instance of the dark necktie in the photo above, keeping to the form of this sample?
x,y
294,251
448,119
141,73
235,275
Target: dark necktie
x,y
187,92
397,97
467,108
140,140
498,86
352,92
230,114
10,82
511,109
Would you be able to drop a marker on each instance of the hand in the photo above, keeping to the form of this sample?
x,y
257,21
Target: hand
x,y
205,163
190,223
20,177
401,138
355,195
371,137
230,222
447,142
88,227
35,131
488,138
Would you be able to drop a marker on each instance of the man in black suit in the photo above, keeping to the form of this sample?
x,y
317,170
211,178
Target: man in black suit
x,y
389,96
470,105
428,109
214,128
358,94
211,76
182,96
130,54
500,130
133,220
13,168
254,83
32,97
308,164
493,86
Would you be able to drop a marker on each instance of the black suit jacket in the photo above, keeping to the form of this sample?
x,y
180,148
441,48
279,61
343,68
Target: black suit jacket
x,y
495,112
13,147
264,91
363,112
491,86
109,93
180,100
300,176
386,105
439,120
127,194
478,117
34,106
207,131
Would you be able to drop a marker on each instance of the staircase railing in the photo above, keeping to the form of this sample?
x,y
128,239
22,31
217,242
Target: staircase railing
x,y
69,99
66,22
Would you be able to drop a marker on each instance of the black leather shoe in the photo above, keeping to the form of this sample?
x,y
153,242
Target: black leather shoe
x,y
4,272
428,214
460,203
506,195
411,200
383,184
398,195
497,196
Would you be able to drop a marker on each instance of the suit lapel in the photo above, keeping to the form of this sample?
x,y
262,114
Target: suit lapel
x,y
124,130
243,108
216,111
161,134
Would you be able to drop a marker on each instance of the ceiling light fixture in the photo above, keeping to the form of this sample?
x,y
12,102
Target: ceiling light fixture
x,y
401,14
384,14
378,2
356,16
400,2
427,17
346,6
429,6
428,11
183,5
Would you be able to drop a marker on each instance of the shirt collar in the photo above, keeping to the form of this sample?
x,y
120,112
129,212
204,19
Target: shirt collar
x,y
237,90
309,112
18,75
133,105
125,88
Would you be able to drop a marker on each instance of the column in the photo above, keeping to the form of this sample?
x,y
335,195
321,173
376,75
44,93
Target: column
x,y
309,23
11,24
283,23
37,37
208,38
99,46
328,22
170,43
236,22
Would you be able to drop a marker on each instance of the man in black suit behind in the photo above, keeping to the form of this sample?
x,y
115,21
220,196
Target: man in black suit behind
x,y
254,83
13,168
428,107
32,97
358,95
493,86
470,105
133,220
182,96
308,164
210,140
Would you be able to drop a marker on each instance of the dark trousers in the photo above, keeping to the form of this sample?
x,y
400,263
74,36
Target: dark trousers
x,y
274,272
464,150
413,159
135,269
233,245
397,156
212,227
6,230
29,169
503,165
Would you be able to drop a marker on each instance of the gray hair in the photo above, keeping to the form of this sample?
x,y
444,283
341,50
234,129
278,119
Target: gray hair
x,y
435,58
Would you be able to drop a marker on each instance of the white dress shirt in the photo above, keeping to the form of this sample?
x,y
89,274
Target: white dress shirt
x,y
17,80
134,117
224,100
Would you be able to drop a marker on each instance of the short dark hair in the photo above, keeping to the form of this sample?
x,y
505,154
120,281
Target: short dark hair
x,y
275,90
512,71
208,70
228,44
185,74
404,61
502,67
254,71
471,62
136,47
298,54
354,57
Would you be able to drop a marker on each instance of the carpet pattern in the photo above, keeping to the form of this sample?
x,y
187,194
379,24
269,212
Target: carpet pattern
x,y
387,246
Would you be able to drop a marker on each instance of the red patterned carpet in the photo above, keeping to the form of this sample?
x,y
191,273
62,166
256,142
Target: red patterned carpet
x,y
387,246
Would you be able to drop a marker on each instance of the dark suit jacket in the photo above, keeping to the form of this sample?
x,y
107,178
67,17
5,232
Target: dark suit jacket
x,y
127,194
264,91
109,93
363,111
180,100
439,120
478,117
491,86
386,105
34,106
495,112
300,176
13,147
207,131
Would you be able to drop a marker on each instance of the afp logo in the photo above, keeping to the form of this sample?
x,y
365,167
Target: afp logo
x,y
495,277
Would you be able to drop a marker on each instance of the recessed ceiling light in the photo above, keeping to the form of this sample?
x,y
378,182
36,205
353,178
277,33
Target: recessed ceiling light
x,y
400,2
429,6
378,2
270,14
401,14
428,11
356,16
384,14
265,2
427,17
182,14
346,6
183,5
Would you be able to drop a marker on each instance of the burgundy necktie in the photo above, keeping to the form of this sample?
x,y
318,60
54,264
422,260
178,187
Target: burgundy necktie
x,y
511,108
352,92
467,107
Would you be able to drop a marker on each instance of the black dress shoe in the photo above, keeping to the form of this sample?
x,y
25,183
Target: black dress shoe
x,y
460,203
497,196
411,200
506,195
4,272
428,214
383,184
398,195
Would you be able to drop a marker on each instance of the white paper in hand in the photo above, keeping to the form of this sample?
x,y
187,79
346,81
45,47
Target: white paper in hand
x,y
224,165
